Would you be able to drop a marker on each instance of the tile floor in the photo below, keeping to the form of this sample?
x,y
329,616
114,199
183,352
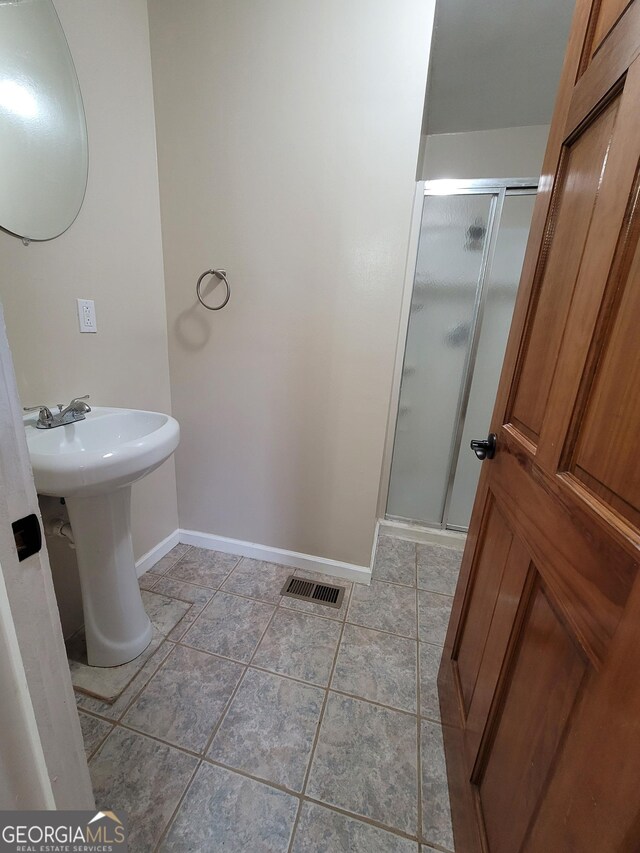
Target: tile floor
x,y
263,723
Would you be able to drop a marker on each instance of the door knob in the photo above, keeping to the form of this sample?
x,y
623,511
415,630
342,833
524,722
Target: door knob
x,y
485,448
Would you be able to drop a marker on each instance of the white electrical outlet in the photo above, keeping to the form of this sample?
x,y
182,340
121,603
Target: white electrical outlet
x,y
87,315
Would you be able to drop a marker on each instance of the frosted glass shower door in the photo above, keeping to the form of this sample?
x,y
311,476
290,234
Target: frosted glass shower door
x,y
501,286
453,235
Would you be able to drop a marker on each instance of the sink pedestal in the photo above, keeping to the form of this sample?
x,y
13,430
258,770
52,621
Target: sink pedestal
x,y
92,464
116,625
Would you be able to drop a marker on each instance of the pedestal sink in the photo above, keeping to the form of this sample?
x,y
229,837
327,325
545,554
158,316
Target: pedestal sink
x,y
91,464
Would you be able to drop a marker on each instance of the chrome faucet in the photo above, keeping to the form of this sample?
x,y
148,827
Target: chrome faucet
x,y
75,411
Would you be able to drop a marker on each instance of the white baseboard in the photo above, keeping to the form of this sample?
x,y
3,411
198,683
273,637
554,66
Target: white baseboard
x,y
416,533
157,553
348,571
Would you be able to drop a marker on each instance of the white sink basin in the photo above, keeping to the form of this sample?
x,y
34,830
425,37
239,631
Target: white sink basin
x,y
111,448
92,463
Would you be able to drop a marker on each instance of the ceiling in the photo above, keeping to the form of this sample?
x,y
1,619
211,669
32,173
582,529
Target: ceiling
x,y
495,63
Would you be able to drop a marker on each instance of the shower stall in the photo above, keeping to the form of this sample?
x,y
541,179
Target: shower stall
x,y
473,235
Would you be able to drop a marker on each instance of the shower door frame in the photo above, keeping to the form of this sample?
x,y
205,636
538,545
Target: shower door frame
x,y
499,188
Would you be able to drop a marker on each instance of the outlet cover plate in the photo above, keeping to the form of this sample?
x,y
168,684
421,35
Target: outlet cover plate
x,y
87,315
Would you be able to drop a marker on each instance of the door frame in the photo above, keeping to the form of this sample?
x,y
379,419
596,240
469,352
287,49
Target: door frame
x,y
438,186
41,744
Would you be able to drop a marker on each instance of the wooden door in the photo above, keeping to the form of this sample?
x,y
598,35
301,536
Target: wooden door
x,y
540,680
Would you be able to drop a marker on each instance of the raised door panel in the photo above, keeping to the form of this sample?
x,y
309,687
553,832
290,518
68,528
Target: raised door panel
x,y
607,268
540,694
505,619
591,802
606,455
496,539
607,14
566,236
589,573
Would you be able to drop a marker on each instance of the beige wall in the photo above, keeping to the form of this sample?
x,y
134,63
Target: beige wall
x,y
287,139
508,152
112,254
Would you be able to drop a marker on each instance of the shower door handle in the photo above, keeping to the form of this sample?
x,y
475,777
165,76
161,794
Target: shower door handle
x,y
485,448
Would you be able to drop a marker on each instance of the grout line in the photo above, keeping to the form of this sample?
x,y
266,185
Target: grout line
x,y
120,725
434,592
414,586
383,630
294,827
433,720
178,579
183,749
185,580
316,738
215,762
306,798
223,715
102,739
373,702
161,660
174,637
237,687
258,668
177,560
195,586
429,643
242,663
97,715
174,814
363,819
419,707
182,640
135,695
323,709
289,608
199,616
247,597
240,595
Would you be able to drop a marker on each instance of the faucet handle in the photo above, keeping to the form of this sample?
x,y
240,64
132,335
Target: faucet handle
x,y
36,408
45,415
75,400
77,406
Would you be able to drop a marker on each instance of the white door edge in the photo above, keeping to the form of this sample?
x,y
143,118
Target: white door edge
x,y
37,649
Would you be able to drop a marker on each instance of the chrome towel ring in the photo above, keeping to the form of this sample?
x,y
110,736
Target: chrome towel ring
x,y
220,274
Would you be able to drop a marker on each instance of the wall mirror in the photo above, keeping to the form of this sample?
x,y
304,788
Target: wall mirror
x,y
43,134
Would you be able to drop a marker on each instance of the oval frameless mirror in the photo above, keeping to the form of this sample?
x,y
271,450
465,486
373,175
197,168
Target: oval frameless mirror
x,y
43,134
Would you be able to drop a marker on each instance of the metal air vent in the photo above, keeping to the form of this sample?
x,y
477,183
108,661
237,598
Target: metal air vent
x,y
318,593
